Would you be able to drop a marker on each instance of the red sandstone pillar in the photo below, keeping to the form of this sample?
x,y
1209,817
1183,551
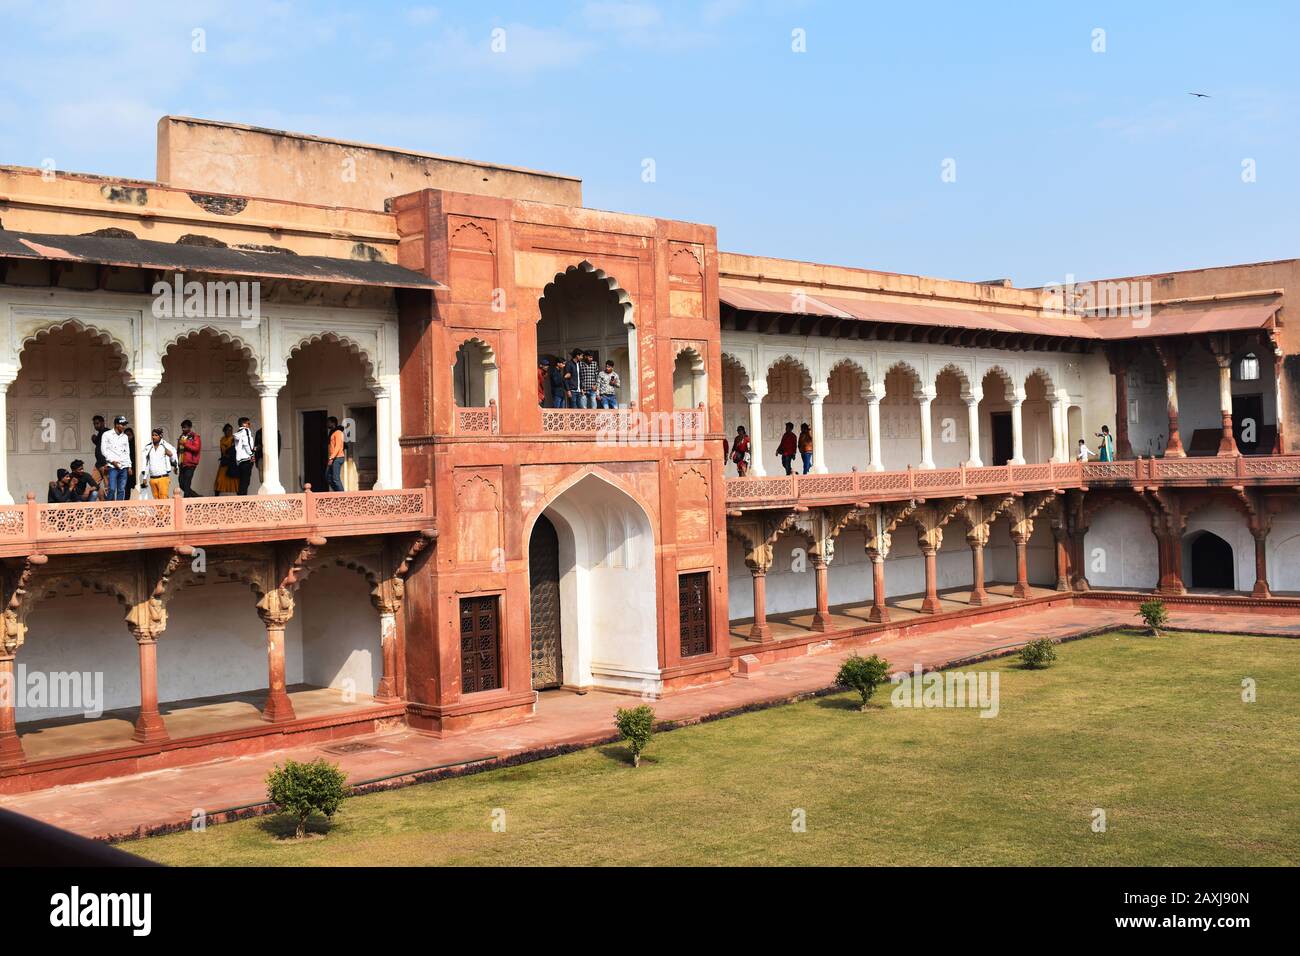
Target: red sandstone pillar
x,y
1123,447
879,613
1169,551
11,748
387,690
1078,567
1168,356
931,603
149,726
278,706
978,596
1261,566
1062,559
1021,589
760,631
822,616
1227,443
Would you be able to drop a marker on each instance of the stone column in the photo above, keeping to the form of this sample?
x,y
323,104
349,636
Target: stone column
x,y
149,726
755,398
275,610
873,429
973,428
1261,589
816,397
822,616
1227,442
759,631
11,748
930,604
1279,399
879,614
1017,428
1123,447
1021,542
1060,431
389,453
388,644
270,412
1169,358
978,595
1061,535
142,420
1170,553
6,379
925,397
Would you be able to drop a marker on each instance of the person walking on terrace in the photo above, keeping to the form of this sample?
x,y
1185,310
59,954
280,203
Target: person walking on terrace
x,y
1106,448
160,460
335,456
244,446
788,447
1084,451
740,450
806,446
191,446
116,449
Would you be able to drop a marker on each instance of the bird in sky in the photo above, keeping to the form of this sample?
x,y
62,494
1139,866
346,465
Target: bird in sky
x,y
1201,95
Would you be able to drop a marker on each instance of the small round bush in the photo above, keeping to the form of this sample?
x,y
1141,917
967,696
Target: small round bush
x,y
1039,653
1154,615
300,789
862,674
636,725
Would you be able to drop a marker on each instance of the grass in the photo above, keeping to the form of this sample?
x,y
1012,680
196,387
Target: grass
x,y
1153,731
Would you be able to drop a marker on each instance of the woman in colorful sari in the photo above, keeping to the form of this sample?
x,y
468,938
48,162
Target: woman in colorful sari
x,y
1106,447
227,482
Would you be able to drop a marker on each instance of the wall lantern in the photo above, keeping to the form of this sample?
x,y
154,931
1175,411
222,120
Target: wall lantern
x,y
1249,368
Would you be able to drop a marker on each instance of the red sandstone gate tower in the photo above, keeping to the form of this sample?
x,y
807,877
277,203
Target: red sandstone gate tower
x,y
577,549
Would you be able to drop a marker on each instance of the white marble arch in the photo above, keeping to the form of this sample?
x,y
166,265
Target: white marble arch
x,y
609,615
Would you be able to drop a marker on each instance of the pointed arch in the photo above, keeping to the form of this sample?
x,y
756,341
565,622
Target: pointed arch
x,y
369,363
247,351
100,335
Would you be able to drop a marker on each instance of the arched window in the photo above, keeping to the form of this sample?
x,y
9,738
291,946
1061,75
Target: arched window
x,y
586,309
474,376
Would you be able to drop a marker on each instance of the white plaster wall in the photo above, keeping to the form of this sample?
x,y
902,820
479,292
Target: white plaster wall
x,y
340,642
740,583
848,576
214,644
1120,550
1283,552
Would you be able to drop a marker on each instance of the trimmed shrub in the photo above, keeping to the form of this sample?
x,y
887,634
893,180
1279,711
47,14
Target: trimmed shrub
x,y
1039,653
300,789
636,726
862,674
1154,615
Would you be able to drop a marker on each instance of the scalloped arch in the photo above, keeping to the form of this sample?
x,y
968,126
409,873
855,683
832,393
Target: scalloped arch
x,y
1046,377
616,291
103,336
489,353
790,360
224,336
962,375
1008,382
368,363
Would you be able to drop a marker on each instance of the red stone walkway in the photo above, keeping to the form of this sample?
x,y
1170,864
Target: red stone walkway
x,y
164,799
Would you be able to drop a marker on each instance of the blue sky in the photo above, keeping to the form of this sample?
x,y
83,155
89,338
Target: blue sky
x,y
1068,161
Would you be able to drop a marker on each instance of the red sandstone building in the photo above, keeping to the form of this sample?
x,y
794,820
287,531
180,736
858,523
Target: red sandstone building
x,y
490,549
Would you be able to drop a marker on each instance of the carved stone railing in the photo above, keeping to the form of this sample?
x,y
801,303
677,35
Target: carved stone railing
x,y
995,479
478,421
122,525
627,424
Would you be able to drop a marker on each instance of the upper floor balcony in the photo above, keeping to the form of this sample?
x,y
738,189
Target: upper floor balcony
x,y
36,528
869,486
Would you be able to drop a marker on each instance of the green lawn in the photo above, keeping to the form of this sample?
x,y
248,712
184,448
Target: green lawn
x,y
1154,731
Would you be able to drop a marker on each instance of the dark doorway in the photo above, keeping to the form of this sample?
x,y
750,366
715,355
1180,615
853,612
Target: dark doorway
x,y
315,443
544,604
1212,562
1248,422
1003,443
693,598
365,445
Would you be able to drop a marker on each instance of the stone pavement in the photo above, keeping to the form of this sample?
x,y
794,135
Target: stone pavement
x,y
231,787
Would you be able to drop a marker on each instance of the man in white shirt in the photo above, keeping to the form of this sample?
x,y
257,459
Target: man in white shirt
x,y
159,460
115,446
244,453
1084,451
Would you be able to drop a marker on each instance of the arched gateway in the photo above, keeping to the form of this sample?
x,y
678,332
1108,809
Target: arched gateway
x,y
592,591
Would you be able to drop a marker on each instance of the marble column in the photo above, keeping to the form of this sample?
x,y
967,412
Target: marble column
x,y
270,412
817,397
873,429
755,398
973,429
925,398
1018,428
